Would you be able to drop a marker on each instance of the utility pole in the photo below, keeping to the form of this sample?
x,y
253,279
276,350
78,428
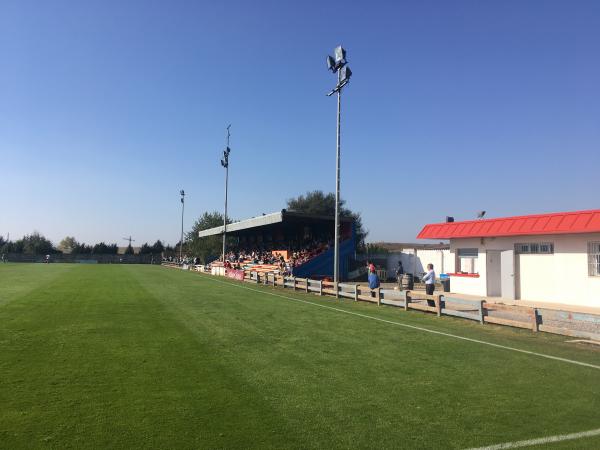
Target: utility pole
x,y
225,164
130,240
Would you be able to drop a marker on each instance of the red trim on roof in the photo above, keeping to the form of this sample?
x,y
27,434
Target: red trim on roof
x,y
554,223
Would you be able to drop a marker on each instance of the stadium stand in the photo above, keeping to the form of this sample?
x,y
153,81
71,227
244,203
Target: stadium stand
x,y
287,242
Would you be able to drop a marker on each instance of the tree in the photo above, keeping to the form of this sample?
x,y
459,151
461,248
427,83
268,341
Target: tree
x,y
112,249
36,244
68,244
101,249
15,246
145,249
129,250
82,249
319,203
5,246
375,248
207,248
158,247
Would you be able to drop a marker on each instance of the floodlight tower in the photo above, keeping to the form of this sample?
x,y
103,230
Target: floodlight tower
x,y
225,164
182,193
337,64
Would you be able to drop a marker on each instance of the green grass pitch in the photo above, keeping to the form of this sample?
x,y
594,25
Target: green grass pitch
x,y
116,356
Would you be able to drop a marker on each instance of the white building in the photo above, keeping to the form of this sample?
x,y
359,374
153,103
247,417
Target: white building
x,y
414,257
541,258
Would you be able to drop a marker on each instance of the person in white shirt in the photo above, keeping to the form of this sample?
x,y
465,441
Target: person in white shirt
x,y
429,280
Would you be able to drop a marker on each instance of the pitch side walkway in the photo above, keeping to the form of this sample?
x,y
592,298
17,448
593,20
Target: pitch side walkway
x,y
534,304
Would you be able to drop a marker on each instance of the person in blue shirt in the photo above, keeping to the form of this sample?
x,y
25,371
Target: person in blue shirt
x,y
373,279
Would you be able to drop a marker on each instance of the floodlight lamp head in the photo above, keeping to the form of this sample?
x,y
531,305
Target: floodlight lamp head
x,y
340,56
331,64
182,192
346,74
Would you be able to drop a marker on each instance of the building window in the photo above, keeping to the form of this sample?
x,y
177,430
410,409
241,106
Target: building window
x,y
535,248
467,260
594,259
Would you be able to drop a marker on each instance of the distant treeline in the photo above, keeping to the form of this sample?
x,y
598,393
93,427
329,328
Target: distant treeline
x,y
36,244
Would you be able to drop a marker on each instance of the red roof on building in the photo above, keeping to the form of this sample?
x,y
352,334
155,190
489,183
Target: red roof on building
x,y
555,223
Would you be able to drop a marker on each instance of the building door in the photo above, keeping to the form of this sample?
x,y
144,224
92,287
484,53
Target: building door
x,y
507,274
493,273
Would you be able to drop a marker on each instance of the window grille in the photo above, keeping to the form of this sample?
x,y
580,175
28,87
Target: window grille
x,y
594,259
535,248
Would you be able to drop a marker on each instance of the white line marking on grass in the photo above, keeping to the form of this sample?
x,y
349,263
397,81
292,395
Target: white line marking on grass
x,y
413,327
544,440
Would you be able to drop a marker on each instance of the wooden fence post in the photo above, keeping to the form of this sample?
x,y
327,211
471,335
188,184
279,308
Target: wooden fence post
x,y
355,292
534,320
306,285
295,283
406,300
337,292
378,293
438,304
320,287
480,307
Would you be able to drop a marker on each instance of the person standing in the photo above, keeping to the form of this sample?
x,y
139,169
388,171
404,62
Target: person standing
x,y
370,267
399,271
429,280
373,281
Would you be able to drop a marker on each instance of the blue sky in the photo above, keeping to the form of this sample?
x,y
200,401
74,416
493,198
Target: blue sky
x,y
109,108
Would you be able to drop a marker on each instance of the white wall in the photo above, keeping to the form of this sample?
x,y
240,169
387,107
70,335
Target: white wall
x,y
441,259
561,277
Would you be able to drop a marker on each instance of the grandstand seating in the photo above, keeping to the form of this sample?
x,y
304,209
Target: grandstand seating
x,y
322,264
260,268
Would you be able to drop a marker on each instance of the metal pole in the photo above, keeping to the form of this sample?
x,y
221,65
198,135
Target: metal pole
x,y
336,260
225,217
181,242
226,156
